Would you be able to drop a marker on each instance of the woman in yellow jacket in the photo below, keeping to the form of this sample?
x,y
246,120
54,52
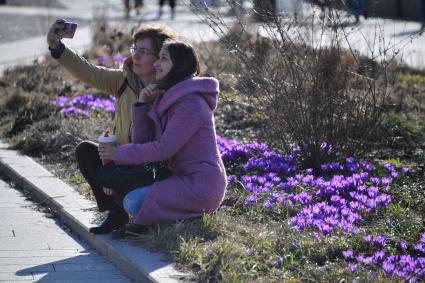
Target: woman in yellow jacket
x,y
126,84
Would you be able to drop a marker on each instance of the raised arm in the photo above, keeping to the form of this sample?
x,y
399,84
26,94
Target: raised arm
x,y
104,79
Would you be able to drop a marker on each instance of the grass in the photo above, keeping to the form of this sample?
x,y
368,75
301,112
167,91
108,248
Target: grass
x,y
234,248
249,246
410,79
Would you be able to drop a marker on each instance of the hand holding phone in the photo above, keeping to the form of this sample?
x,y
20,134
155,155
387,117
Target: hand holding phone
x,y
60,29
69,29
65,29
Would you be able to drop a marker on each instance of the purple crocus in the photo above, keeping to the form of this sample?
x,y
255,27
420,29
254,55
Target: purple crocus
x,y
405,169
348,254
380,241
367,238
352,267
403,245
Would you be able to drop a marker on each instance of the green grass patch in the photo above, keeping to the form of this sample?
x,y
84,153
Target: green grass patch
x,y
400,123
410,79
227,248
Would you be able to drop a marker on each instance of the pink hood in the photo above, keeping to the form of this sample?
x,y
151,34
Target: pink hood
x,y
206,87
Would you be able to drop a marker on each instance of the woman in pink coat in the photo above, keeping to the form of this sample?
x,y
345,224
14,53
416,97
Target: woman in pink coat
x,y
177,127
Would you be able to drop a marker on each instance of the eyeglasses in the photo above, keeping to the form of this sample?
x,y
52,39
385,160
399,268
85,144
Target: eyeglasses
x,y
141,50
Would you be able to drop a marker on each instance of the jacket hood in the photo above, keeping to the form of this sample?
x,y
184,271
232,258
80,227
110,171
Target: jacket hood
x,y
206,87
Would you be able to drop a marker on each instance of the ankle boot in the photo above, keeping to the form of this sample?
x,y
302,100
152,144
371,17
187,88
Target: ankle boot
x,y
113,221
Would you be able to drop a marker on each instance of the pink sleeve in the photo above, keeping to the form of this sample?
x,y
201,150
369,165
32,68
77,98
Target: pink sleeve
x,y
141,126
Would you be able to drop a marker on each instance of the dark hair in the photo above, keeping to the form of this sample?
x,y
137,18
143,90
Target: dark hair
x,y
156,33
185,63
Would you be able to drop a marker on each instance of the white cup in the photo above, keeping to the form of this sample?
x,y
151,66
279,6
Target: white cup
x,y
108,139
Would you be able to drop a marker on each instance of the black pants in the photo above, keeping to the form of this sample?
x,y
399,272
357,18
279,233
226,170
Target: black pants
x,y
89,163
172,3
137,3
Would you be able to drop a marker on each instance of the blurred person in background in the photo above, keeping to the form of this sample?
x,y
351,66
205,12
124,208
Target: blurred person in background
x,y
138,4
171,3
359,7
423,14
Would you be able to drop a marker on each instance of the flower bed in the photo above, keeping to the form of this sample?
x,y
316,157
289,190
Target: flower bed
x,y
337,199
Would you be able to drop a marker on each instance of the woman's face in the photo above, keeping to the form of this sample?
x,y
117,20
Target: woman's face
x,y
144,58
164,64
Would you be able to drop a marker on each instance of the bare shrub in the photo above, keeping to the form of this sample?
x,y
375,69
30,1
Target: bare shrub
x,y
309,89
55,137
109,41
20,108
43,78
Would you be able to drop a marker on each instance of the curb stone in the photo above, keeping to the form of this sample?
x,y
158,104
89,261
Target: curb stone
x,y
73,210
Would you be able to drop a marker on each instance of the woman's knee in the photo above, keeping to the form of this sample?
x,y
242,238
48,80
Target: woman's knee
x,y
134,200
86,152
85,147
130,205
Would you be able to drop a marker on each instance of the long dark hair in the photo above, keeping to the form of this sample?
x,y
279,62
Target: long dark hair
x,y
185,63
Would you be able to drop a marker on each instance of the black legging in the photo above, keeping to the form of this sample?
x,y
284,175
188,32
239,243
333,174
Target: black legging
x,y
89,163
172,3
137,4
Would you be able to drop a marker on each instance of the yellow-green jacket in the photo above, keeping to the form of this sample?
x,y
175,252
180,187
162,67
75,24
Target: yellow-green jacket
x,y
109,81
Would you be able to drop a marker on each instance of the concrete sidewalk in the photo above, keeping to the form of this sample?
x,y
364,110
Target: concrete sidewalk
x,y
34,247
368,37
43,247
29,48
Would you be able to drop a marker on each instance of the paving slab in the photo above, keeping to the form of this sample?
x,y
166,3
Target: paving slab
x,y
46,253
34,248
30,259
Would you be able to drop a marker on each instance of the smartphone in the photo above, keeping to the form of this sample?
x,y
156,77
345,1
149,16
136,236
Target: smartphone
x,y
69,29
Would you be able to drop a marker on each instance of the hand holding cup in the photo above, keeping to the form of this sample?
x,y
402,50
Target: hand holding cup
x,y
107,147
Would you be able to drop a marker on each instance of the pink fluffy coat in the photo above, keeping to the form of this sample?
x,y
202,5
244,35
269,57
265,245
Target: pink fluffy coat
x,y
179,128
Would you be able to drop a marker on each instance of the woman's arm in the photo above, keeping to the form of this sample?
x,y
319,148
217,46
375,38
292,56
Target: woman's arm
x,y
186,118
141,126
104,79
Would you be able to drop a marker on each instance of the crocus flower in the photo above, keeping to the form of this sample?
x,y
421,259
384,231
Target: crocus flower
x,y
352,267
348,254
403,245
380,241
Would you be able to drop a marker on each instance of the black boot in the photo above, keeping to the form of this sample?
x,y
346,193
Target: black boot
x,y
113,221
129,230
